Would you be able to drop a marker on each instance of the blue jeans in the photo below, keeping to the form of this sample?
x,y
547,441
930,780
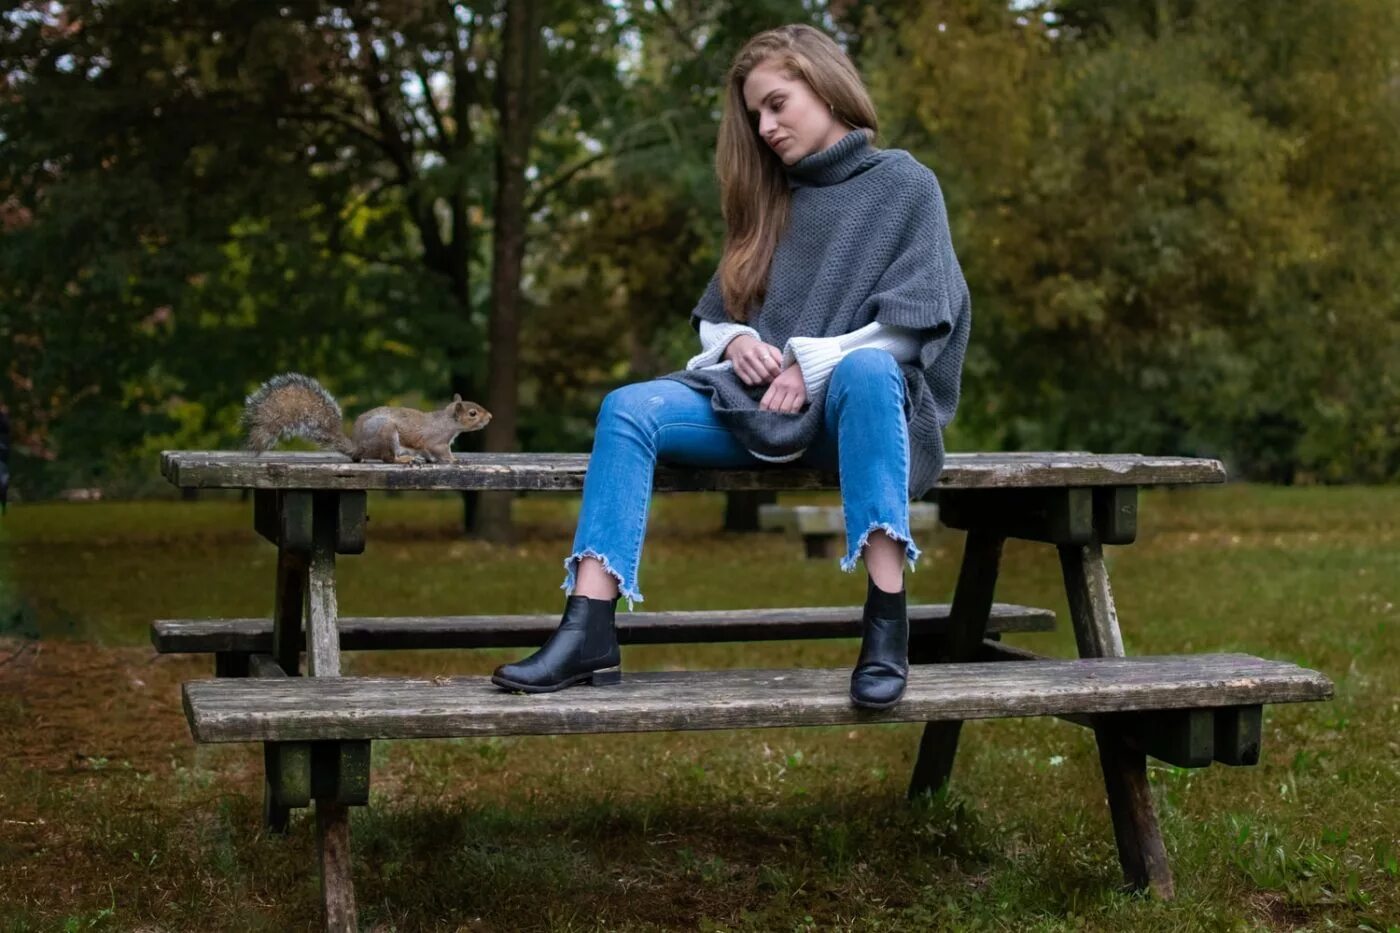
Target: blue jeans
x,y
864,437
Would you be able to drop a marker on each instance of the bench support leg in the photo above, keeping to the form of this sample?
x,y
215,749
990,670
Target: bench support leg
x,y
967,626
231,664
286,651
1141,851
287,611
337,884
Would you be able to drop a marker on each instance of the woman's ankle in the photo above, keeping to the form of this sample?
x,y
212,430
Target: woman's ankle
x,y
596,593
594,581
895,585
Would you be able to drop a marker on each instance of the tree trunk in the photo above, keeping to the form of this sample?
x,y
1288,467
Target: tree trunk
x,y
741,508
463,379
515,86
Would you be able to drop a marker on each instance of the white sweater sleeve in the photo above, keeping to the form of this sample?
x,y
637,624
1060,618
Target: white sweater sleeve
x,y
714,340
818,356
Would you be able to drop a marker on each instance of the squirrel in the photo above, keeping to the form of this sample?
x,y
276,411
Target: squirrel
x,y
293,405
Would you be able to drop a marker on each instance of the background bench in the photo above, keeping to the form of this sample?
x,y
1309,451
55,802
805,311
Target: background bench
x,y
1190,710
823,527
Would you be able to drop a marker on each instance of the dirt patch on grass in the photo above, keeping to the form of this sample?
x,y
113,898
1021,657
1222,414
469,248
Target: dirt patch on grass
x,y
80,723
80,703
1274,911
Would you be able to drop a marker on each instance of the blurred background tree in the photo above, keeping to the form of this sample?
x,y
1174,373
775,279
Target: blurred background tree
x,y
1177,218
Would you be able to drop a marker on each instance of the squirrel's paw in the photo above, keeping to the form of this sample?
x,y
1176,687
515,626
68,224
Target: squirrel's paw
x,y
406,458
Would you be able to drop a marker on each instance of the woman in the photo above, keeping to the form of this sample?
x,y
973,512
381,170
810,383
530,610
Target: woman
x,y
832,336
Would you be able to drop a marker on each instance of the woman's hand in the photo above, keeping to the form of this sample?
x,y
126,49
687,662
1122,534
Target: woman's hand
x,y
756,362
788,393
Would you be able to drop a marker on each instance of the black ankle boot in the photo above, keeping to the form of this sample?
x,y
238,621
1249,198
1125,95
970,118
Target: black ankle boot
x,y
883,668
583,648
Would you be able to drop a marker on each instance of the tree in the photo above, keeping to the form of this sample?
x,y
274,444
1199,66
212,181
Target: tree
x,y
1144,206
202,125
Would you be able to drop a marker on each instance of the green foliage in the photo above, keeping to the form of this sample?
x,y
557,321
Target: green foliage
x,y
1165,251
619,262
179,237
1176,217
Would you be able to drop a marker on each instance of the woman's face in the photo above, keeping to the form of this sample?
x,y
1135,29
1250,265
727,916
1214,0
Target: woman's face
x,y
791,120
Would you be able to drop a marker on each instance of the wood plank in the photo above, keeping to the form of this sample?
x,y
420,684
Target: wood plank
x,y
286,765
388,633
266,520
1238,735
352,519
263,665
231,664
283,636
1091,603
1059,516
283,517
972,601
287,774
322,629
557,471
1185,738
340,771
240,710
1115,514
1142,853
1178,737
337,882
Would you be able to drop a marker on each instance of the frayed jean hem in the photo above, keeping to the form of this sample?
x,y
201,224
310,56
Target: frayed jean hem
x,y
571,568
911,551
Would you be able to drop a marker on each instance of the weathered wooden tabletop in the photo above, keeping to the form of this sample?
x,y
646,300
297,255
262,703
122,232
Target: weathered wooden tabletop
x,y
216,469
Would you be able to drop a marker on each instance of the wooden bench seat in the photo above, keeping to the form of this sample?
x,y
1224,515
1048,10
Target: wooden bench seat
x,y
290,709
386,633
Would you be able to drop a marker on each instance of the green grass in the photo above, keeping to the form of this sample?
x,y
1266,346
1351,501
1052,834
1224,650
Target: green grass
x,y
110,817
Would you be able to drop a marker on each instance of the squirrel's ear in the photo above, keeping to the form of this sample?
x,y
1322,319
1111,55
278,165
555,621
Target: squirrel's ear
x,y
456,396
458,405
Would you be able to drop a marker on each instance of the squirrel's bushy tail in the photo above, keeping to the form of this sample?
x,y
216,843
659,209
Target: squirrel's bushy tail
x,y
293,405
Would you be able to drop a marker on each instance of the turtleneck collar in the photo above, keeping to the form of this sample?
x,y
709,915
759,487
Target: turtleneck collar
x,y
835,163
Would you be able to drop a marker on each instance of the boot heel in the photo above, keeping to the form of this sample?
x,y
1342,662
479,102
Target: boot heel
x,y
607,676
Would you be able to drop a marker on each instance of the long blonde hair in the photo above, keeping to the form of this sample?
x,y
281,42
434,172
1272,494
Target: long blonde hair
x,y
754,195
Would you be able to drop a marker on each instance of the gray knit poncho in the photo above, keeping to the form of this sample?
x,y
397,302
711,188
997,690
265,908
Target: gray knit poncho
x,y
867,240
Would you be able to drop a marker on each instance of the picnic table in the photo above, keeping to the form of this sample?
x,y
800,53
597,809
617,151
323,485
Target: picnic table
x,y
316,727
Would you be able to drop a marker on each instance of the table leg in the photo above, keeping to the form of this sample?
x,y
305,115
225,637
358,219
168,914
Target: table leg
x,y
309,529
333,847
287,512
967,626
322,633
1141,851
323,660
287,636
